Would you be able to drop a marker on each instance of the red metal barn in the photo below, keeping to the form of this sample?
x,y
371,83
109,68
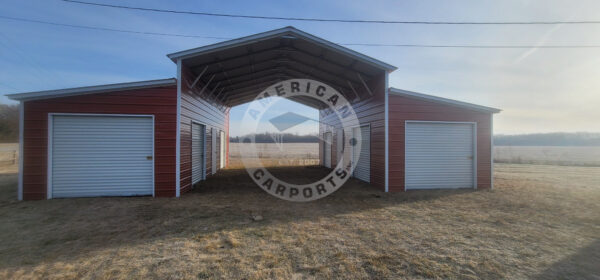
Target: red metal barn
x,y
161,137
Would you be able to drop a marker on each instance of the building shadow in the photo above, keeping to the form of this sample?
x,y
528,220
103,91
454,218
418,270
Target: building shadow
x,y
585,264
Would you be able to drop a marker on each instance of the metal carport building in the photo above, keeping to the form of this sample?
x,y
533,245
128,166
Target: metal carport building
x,y
160,137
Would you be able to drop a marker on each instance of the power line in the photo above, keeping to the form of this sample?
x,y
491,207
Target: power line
x,y
334,20
477,46
345,44
112,29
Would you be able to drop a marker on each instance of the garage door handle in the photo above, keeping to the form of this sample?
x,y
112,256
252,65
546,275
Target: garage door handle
x,y
149,157
470,157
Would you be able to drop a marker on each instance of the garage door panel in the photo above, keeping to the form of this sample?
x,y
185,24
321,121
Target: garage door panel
x,y
439,155
102,156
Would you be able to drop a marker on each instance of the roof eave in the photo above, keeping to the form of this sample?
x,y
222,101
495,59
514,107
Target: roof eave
x,y
274,33
36,95
444,100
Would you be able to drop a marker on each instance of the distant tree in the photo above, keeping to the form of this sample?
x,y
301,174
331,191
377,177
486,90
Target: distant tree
x,y
549,139
9,123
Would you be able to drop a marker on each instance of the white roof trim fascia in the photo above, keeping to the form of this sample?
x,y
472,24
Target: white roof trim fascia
x,y
26,96
275,33
443,100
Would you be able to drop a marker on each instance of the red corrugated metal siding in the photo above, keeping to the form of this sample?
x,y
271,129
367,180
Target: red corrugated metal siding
x,y
405,108
369,112
160,102
196,108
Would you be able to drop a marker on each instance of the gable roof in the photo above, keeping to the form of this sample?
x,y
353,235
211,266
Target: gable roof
x,y
442,100
91,89
285,31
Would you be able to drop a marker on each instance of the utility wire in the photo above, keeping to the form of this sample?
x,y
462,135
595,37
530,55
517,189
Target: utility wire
x,y
345,44
112,29
334,20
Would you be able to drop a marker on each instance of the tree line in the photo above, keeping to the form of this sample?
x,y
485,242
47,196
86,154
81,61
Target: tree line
x,y
9,123
276,138
549,139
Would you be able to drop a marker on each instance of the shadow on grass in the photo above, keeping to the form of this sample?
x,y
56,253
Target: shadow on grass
x,y
585,264
34,232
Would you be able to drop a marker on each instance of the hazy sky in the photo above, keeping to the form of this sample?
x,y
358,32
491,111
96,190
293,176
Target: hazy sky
x,y
539,90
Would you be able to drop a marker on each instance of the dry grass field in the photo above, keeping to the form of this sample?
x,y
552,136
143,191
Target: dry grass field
x,y
284,154
553,155
540,222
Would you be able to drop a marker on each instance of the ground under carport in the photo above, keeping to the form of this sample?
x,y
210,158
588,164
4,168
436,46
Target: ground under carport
x,y
539,221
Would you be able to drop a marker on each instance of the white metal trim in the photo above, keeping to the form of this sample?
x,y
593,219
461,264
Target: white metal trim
x,y
49,159
442,100
153,157
26,96
274,33
204,158
474,125
491,151
50,142
387,134
475,155
404,141
178,133
21,157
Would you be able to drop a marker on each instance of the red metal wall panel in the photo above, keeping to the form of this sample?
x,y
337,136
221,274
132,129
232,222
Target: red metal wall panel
x,y
160,102
405,109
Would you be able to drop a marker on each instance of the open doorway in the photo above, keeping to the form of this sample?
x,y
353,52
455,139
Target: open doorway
x,y
287,135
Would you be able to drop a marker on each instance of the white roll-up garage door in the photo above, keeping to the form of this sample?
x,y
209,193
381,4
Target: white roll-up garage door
x,y
439,155
362,159
101,155
198,150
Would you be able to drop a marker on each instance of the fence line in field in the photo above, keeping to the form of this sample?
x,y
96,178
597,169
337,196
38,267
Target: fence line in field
x,y
9,157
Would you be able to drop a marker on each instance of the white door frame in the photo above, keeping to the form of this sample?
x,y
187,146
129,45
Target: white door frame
x,y
203,176
474,124
50,147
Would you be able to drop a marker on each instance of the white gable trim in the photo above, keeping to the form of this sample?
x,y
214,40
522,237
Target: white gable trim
x,y
442,100
276,33
27,96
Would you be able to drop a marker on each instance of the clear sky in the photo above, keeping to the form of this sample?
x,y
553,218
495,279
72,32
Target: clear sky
x,y
539,90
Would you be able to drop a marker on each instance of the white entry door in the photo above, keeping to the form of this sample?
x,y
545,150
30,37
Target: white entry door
x,y
439,155
100,155
198,152
213,158
223,150
340,145
362,159
327,149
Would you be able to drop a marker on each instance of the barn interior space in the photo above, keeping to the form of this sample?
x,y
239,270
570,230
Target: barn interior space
x,y
214,78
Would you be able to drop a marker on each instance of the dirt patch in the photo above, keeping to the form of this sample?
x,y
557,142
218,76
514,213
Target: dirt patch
x,y
539,222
